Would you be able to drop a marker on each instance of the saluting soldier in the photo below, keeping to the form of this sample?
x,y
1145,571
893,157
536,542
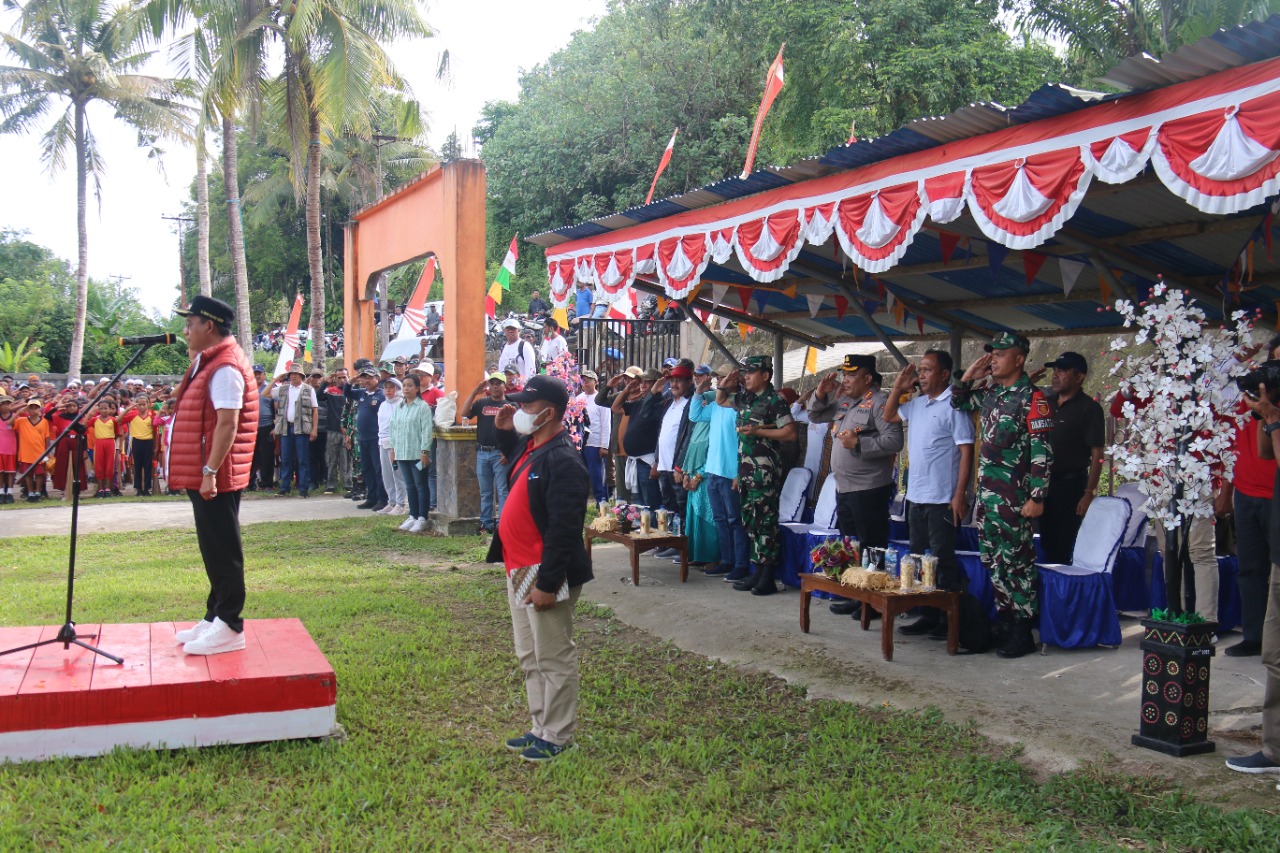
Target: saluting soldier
x,y
764,422
1013,475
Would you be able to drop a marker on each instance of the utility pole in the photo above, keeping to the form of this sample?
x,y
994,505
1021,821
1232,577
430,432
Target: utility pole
x,y
182,271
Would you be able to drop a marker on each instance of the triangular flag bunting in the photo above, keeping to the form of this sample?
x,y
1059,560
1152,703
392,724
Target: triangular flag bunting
x,y
662,305
508,267
811,361
490,307
792,290
495,292
949,242
898,312
1070,271
872,307
744,296
815,303
306,353
1031,264
762,299
996,253
920,323
842,305
717,294
1106,291
743,330
561,316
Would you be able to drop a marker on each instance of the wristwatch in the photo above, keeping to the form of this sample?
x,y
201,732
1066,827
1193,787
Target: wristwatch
x,y
209,472
1270,428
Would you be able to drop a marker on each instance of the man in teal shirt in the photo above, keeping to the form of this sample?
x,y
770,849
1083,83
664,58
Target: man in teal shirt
x,y
722,469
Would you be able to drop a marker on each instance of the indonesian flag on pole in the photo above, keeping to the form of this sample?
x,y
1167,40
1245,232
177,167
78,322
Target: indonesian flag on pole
x,y
662,165
508,268
772,86
289,348
415,318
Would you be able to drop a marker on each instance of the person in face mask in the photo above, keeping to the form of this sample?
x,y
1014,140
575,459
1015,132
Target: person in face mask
x,y
541,526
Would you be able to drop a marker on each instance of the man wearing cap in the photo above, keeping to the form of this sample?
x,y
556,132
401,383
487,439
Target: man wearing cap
x,y
940,452
542,527
722,472
368,397
672,437
1079,433
595,448
553,343
400,367
517,353
210,455
264,446
763,423
1013,477
297,425
862,451
491,466
617,386
644,406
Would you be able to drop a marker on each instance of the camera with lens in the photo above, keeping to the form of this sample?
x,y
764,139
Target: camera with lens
x,y
1266,375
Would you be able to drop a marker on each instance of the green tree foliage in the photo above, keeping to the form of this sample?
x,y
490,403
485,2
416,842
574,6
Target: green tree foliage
x,y
590,124
37,302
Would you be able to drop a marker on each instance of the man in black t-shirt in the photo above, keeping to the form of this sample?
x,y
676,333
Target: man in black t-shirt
x,y
491,466
1079,434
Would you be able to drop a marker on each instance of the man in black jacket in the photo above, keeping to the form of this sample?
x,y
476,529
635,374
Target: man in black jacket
x,y
541,526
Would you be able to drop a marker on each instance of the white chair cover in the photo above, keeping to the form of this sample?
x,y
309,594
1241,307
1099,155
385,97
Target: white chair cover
x,y
1136,532
824,513
794,490
1101,533
898,507
1077,606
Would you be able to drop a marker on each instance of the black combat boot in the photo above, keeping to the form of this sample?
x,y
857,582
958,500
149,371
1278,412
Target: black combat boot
x,y
749,581
765,585
1020,641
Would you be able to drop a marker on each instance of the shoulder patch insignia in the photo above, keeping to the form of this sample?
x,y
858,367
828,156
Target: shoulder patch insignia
x,y
1039,415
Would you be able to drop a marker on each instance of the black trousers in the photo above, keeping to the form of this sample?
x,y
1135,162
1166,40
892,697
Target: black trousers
x,y
218,532
143,452
865,514
317,452
1253,553
933,528
264,458
674,496
1059,523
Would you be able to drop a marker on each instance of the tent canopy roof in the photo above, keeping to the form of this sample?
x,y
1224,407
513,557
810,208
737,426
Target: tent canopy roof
x,y
979,221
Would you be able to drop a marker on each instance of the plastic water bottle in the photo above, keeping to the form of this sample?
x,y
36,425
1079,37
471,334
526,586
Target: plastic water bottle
x,y
677,528
891,560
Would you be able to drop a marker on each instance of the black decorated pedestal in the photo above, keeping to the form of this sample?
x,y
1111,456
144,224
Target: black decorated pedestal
x,y
1174,718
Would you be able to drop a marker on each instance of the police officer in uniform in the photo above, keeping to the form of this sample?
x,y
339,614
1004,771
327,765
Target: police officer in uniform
x,y
862,452
1013,476
764,422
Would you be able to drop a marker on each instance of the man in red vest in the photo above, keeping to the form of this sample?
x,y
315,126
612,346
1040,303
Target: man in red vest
x,y
210,455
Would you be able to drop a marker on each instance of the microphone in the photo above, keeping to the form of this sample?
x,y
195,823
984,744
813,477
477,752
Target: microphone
x,y
145,340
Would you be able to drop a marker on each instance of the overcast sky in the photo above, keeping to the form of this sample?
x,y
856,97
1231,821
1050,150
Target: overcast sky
x,y
489,41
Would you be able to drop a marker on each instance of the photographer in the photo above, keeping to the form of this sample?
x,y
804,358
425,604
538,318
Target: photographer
x,y
1261,402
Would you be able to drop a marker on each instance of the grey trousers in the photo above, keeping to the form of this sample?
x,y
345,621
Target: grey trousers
x,y
549,660
338,460
1271,661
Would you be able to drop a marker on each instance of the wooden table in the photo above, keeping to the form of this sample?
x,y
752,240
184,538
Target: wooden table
x,y
889,602
637,543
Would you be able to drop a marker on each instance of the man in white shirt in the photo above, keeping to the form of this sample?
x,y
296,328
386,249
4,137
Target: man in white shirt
x,y
553,343
940,443
516,353
595,449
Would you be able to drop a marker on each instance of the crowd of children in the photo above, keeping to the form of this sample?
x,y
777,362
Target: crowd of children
x,y
125,437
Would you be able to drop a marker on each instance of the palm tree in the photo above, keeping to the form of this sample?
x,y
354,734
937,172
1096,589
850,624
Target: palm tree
x,y
73,53
1100,33
202,216
226,56
334,69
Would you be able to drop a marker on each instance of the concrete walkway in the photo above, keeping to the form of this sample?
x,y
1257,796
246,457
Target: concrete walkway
x,y
1067,707
53,518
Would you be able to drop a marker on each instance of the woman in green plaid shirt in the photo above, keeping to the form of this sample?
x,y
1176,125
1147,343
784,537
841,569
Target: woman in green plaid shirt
x,y
411,452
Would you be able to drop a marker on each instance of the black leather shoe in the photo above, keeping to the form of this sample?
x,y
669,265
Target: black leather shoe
x,y
367,505
845,608
748,582
1244,649
379,506
939,631
1020,641
923,625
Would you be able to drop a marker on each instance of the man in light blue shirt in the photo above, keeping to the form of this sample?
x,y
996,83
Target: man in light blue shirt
x,y
722,470
940,442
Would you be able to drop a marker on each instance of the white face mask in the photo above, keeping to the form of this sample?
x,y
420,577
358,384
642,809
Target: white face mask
x,y
526,423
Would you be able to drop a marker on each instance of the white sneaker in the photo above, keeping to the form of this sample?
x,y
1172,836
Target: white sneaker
x,y
408,522
419,525
220,638
194,632
387,510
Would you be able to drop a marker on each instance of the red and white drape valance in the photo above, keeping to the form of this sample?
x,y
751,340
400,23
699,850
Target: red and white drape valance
x,y
1219,160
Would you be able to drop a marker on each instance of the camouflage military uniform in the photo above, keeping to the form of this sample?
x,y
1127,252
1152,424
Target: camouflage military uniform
x,y
349,424
760,472
1013,468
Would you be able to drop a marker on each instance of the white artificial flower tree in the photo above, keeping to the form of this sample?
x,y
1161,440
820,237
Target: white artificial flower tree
x,y
1182,428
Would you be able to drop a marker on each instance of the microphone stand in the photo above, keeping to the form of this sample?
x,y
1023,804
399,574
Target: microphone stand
x,y
67,635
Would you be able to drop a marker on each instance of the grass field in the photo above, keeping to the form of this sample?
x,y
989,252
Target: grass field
x,y
676,752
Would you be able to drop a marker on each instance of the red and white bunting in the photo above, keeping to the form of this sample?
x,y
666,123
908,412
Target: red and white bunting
x,y
1214,142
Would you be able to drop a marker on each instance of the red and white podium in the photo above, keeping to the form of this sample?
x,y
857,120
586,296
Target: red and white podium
x,y
56,702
